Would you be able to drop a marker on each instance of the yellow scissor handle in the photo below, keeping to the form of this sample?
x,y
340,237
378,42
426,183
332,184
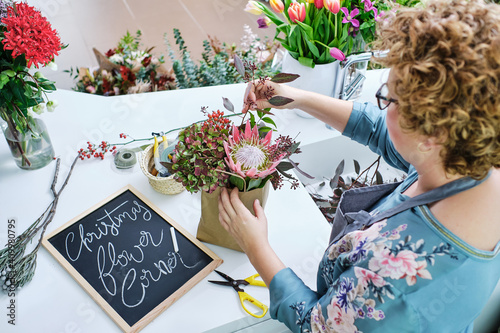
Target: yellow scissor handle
x,y
252,280
245,297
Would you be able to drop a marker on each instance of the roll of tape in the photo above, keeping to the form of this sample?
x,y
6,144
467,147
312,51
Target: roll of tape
x,y
125,159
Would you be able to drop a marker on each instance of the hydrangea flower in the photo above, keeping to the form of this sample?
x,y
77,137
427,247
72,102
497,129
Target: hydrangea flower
x,y
250,156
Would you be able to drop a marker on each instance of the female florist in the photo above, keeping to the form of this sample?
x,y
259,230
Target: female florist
x,y
170,192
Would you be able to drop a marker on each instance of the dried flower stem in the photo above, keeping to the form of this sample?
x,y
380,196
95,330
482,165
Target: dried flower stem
x,y
377,161
17,269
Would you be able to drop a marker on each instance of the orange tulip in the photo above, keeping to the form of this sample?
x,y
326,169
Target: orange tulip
x,y
332,5
297,12
277,6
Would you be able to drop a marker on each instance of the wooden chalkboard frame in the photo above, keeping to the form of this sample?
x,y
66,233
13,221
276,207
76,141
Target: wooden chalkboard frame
x,y
115,316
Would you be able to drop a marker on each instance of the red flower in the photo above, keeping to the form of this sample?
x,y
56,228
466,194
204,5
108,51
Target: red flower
x,y
29,33
110,53
127,74
146,61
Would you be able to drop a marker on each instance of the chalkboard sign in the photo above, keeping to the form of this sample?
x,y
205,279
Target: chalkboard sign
x,y
132,258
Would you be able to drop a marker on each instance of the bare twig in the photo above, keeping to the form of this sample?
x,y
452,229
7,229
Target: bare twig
x,y
377,161
18,268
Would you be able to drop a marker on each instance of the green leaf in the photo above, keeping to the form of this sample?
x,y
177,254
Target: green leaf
x,y
269,121
9,73
254,183
306,29
312,48
308,62
285,166
252,119
227,104
19,62
357,168
365,25
284,77
338,171
31,83
265,129
294,147
239,65
280,100
238,182
3,80
48,86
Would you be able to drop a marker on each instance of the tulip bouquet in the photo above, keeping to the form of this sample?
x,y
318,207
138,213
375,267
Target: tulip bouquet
x,y
321,31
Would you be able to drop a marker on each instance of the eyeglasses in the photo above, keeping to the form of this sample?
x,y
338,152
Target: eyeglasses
x,y
382,99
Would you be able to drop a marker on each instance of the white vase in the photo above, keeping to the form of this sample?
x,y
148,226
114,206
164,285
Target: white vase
x,y
320,79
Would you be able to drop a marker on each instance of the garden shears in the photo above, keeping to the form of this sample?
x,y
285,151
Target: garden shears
x,y
251,280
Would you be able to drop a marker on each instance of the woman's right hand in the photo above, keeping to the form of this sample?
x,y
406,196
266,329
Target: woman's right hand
x,y
257,95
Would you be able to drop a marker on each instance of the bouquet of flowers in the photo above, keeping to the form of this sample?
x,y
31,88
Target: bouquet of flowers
x,y
217,153
125,69
27,41
321,31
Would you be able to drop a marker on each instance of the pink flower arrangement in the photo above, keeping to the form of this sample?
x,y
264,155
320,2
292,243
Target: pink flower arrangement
x,y
248,155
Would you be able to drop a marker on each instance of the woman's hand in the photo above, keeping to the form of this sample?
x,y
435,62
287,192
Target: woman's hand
x,y
248,230
257,95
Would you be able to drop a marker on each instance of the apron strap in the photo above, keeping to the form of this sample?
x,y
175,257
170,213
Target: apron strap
x,y
439,193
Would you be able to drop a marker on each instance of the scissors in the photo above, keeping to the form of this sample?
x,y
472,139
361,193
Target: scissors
x,y
251,280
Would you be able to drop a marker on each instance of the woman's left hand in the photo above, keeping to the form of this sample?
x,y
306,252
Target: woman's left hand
x,y
248,230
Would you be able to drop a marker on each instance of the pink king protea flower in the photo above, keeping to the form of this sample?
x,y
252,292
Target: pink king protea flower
x,y
250,156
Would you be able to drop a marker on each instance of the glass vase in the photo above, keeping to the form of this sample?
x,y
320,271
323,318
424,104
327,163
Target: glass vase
x,y
31,150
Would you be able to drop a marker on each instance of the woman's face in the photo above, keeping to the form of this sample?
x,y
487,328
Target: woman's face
x,y
404,142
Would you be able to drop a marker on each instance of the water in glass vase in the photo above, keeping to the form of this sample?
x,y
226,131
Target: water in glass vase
x,y
32,150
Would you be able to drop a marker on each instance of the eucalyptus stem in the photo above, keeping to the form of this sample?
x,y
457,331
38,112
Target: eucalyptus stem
x,y
16,268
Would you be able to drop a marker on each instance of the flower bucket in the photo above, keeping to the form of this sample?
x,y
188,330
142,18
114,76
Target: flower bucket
x,y
210,230
320,79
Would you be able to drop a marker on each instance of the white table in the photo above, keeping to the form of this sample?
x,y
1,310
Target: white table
x,y
53,301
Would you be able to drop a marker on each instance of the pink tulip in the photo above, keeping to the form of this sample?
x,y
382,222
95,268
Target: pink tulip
x,y
297,12
319,3
337,54
332,5
277,6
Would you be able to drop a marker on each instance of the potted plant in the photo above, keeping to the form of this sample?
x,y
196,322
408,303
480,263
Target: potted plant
x,y
318,34
28,41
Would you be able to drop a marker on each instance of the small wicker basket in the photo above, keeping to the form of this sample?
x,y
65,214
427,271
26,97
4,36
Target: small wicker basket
x,y
164,185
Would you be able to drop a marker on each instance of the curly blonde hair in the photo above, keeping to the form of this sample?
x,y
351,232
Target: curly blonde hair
x,y
446,62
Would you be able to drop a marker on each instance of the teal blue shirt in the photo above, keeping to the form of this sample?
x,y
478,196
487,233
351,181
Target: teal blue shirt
x,y
407,273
